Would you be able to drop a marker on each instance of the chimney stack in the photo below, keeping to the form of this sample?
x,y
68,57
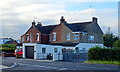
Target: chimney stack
x,y
33,23
62,20
94,19
39,24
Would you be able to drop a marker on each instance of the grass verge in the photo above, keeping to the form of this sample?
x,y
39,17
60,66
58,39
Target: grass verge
x,y
103,62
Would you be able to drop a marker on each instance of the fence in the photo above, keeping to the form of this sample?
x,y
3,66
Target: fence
x,y
71,55
54,56
42,55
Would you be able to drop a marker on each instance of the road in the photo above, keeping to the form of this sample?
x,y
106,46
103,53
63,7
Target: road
x,y
31,64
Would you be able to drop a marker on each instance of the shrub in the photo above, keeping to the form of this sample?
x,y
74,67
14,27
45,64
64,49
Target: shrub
x,y
117,44
98,53
8,46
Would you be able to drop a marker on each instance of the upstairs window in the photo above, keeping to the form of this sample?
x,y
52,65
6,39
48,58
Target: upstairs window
x,y
83,49
37,36
54,36
91,38
22,38
75,36
27,37
68,36
50,37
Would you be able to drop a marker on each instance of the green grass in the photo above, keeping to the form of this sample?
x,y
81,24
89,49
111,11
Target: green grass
x,y
103,62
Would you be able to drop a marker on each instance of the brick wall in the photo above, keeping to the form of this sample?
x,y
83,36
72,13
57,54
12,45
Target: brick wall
x,y
32,36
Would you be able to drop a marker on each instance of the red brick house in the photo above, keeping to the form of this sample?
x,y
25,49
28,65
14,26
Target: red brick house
x,y
53,39
65,34
37,34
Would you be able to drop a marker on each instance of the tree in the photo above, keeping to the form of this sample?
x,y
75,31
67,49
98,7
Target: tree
x,y
109,39
116,44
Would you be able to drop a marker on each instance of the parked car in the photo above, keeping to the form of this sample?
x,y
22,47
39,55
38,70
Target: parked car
x,y
18,53
8,54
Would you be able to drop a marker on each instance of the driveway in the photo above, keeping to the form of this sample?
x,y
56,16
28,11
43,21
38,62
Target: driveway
x,y
31,64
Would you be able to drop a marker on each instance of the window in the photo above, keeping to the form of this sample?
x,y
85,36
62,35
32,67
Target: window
x,y
22,38
54,36
91,38
68,36
50,37
83,34
83,49
37,36
75,37
43,50
55,50
27,37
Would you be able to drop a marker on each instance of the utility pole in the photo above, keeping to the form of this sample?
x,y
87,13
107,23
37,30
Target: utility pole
x,y
92,8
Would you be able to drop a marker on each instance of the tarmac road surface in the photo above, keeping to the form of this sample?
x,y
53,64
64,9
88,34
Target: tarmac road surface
x,y
31,64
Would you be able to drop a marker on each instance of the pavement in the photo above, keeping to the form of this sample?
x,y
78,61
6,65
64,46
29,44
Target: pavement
x,y
31,64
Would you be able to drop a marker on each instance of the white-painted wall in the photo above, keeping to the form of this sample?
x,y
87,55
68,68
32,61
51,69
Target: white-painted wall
x,y
66,47
87,46
49,49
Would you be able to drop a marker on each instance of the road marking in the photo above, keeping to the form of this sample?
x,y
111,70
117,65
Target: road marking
x,y
3,67
49,67
14,65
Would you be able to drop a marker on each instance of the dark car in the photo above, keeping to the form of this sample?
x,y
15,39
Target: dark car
x,y
8,54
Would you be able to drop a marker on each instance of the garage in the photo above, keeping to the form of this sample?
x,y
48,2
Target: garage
x,y
29,52
42,51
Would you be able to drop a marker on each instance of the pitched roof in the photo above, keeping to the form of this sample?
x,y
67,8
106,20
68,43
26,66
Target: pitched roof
x,y
45,29
78,26
73,26
11,42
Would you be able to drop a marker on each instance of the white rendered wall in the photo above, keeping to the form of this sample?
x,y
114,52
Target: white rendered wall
x,y
49,49
69,47
87,46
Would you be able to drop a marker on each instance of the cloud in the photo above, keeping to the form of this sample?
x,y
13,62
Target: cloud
x,y
17,16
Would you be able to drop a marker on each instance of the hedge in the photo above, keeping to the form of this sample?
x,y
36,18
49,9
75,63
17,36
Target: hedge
x,y
98,53
7,47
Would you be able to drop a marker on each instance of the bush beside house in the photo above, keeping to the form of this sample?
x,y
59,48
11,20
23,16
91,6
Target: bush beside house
x,y
7,49
104,55
116,44
98,53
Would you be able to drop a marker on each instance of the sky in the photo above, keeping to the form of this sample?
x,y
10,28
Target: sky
x,y
16,15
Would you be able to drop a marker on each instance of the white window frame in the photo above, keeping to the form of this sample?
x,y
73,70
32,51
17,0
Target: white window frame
x,y
50,37
83,49
55,50
38,37
91,38
44,50
23,38
54,36
68,36
27,37
76,36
